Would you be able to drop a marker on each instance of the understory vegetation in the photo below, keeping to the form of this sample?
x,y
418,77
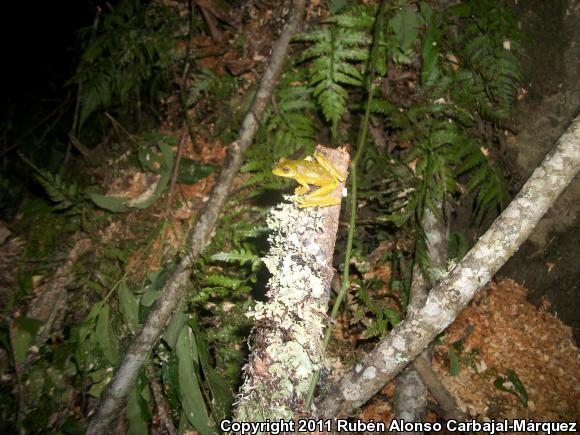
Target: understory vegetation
x,y
130,163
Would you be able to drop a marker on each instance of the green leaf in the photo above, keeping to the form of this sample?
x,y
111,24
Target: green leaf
x,y
190,393
105,336
73,427
135,418
454,366
166,169
116,204
129,307
191,171
153,290
512,384
430,54
151,161
100,379
460,10
174,328
150,296
404,23
221,394
88,324
23,333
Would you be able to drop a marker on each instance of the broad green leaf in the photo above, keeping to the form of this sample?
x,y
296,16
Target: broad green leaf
x,y
454,366
460,10
512,384
393,316
24,331
189,389
89,323
221,394
430,54
151,161
73,427
166,169
137,423
129,307
153,290
100,379
174,328
105,336
191,171
404,24
150,296
116,204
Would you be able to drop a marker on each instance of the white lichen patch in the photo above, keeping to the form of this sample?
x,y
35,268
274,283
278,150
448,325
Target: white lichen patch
x,y
352,391
400,358
369,373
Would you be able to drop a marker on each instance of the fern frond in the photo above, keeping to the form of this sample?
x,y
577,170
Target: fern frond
x,y
490,75
65,195
359,17
241,256
223,281
334,52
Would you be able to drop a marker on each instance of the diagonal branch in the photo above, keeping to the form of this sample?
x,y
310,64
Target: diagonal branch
x,y
457,289
160,314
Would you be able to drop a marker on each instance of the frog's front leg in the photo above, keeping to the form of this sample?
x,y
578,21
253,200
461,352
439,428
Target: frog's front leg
x,y
303,188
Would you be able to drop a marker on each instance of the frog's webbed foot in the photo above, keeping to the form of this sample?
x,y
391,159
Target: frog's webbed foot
x,y
325,201
317,202
301,190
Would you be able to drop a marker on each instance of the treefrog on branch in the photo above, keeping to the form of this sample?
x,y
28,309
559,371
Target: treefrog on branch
x,y
317,171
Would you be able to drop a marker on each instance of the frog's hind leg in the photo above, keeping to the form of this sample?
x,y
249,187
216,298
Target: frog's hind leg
x,y
322,191
323,161
304,202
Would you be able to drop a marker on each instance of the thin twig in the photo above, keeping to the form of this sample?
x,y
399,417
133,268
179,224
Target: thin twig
x,y
118,126
172,293
160,402
447,403
183,84
74,129
175,171
18,374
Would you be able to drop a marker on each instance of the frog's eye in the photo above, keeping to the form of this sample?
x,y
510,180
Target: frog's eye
x,y
286,169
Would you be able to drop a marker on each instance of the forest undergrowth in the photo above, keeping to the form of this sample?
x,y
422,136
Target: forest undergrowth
x,y
98,206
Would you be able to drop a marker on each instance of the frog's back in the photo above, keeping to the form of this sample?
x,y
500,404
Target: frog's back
x,y
313,172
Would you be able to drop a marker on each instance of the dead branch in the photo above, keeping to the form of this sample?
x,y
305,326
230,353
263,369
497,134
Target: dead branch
x,y
448,407
456,290
52,297
163,409
161,312
286,341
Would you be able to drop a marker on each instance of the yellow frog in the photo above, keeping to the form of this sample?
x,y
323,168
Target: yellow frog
x,y
307,172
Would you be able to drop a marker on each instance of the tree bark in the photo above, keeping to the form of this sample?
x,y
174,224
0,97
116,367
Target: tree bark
x,y
160,314
456,290
286,342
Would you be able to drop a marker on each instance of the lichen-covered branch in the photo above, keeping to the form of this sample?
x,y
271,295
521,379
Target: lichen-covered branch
x,y
286,342
160,314
455,291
